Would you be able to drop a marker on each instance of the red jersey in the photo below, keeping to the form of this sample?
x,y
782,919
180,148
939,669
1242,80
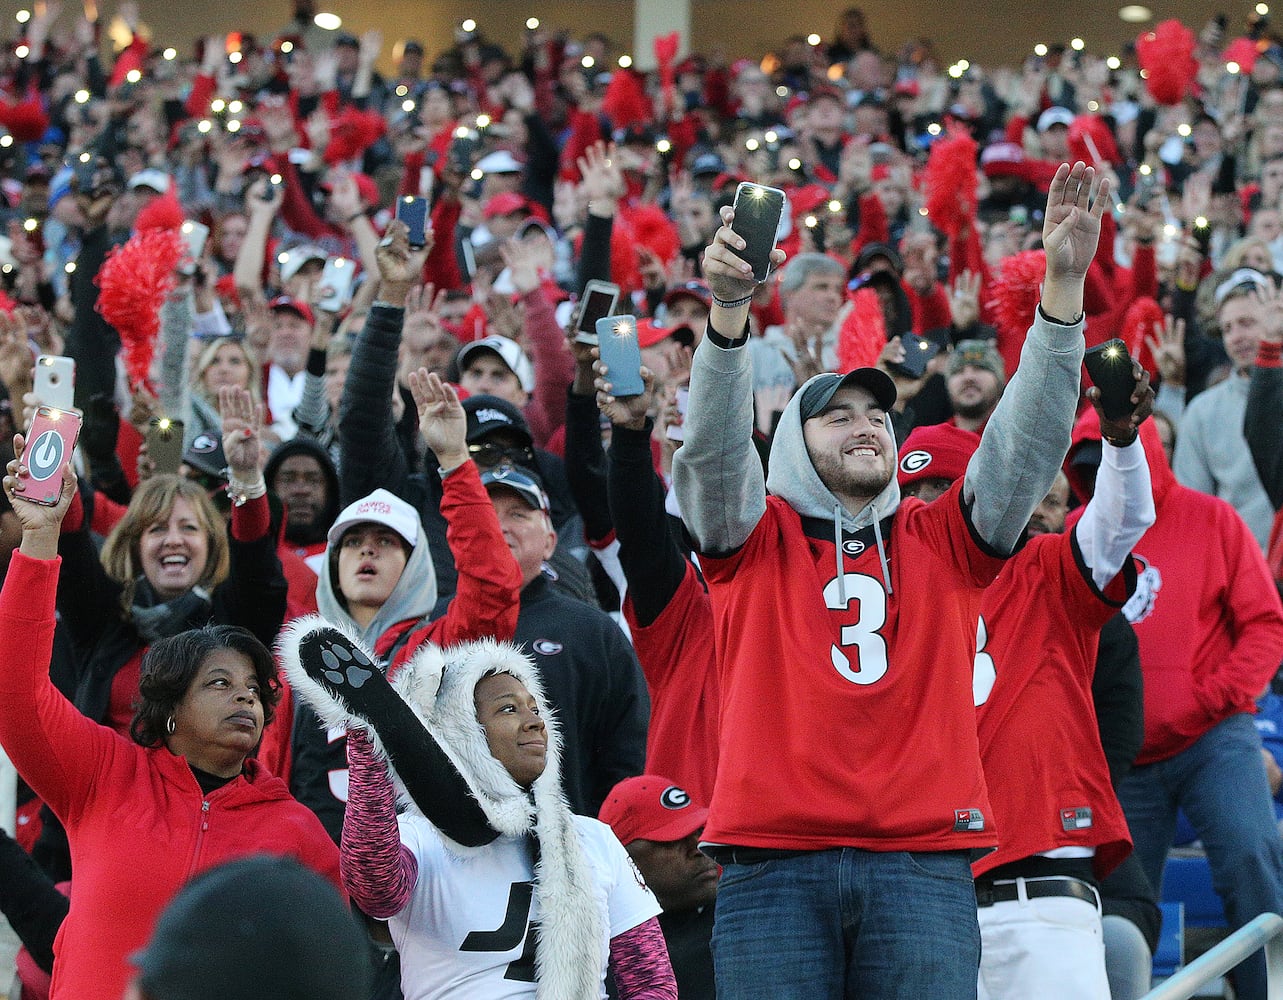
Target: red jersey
x,y
1036,654
678,658
853,724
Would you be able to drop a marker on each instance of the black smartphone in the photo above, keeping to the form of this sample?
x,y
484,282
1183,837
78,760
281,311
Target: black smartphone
x,y
757,221
462,150
598,302
1110,368
414,213
1225,175
165,444
918,352
272,186
1202,234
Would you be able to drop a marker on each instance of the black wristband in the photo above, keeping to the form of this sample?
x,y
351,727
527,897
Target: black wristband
x,y
723,342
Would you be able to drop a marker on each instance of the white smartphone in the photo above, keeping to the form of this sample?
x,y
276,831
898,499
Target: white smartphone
x,y
336,284
195,234
55,381
598,302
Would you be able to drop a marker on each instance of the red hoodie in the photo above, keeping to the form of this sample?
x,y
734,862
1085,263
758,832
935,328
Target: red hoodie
x,y
1206,613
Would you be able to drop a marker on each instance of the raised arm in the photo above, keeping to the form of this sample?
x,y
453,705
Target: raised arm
x,y
378,871
1028,434
1263,419
57,750
247,272
716,473
488,594
1122,508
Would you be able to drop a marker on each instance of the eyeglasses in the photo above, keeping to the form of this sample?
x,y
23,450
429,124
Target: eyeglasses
x,y
489,454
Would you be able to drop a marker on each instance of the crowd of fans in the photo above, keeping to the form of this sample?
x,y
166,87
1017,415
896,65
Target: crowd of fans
x,y
299,400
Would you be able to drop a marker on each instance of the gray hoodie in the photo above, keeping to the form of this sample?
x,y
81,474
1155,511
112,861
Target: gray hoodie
x,y
722,492
414,596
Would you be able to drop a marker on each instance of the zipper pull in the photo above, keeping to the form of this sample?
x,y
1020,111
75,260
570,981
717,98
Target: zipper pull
x,y
204,817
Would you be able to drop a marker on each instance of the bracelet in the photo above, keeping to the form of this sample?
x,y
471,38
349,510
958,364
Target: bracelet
x,y
724,304
1121,444
242,493
353,217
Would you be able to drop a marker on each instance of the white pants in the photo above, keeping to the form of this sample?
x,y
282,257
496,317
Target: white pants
x,y
1050,948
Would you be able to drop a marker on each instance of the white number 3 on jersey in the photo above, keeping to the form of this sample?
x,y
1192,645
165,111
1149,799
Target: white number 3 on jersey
x,y
861,637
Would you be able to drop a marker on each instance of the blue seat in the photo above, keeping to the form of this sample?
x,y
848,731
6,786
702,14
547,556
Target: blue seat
x,y
1170,953
1187,879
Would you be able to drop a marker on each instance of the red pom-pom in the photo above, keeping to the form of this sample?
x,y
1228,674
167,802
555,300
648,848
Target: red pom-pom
x,y
352,133
1242,51
1091,141
950,182
133,283
1166,57
26,121
863,333
1014,301
160,213
1139,322
653,229
625,101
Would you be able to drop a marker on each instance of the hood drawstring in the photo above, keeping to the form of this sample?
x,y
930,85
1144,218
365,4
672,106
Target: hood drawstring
x,y
837,545
841,558
882,555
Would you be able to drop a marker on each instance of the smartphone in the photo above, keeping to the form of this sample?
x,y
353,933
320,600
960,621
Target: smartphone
x,y
598,302
414,213
165,444
918,352
55,381
1110,368
757,220
50,441
621,353
272,187
677,432
336,283
462,150
195,234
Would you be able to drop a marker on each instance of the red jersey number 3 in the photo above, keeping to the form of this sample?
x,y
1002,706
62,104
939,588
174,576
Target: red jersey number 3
x,y
862,656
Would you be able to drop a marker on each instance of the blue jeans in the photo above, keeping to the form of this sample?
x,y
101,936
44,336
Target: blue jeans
x,y
847,923
1220,784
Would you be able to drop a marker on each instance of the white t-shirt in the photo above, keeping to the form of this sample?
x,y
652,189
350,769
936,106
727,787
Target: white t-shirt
x,y
465,932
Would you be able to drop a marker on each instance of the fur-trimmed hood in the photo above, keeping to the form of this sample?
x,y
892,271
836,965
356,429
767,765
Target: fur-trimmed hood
x,y
438,684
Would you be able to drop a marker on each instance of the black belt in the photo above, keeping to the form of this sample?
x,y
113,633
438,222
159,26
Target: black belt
x,y
726,855
988,893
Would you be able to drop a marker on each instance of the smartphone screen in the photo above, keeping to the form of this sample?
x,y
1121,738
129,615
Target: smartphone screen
x,y
757,219
55,381
51,439
336,283
599,302
621,353
1110,369
918,352
165,444
414,213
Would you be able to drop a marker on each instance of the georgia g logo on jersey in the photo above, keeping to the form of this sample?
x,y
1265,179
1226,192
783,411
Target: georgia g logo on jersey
x,y
45,455
915,460
1149,581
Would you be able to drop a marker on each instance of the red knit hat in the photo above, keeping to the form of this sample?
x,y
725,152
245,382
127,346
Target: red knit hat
x,y
939,451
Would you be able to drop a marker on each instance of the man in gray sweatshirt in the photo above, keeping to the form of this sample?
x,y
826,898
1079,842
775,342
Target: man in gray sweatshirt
x,y
849,798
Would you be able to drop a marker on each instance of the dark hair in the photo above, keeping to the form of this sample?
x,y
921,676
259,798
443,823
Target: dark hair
x,y
170,665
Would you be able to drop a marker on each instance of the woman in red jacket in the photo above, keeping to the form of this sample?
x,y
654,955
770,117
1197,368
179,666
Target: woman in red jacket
x,y
144,816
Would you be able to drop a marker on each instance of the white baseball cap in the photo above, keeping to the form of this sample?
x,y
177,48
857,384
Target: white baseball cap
x,y
380,507
1055,116
156,180
293,259
510,353
500,162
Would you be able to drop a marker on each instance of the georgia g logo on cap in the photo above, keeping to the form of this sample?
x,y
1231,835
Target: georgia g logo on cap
x,y
45,455
915,460
673,797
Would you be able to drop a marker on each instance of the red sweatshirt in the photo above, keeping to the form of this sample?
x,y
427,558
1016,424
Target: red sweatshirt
x,y
1205,610
138,823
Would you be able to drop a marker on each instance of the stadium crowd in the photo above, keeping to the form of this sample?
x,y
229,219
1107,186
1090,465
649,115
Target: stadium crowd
x,y
856,643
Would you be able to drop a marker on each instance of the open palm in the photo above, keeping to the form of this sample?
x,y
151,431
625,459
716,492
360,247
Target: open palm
x,y
1071,226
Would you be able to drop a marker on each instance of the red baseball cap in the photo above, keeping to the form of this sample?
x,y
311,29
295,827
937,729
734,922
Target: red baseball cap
x,y
297,306
651,807
648,334
697,290
505,203
367,190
